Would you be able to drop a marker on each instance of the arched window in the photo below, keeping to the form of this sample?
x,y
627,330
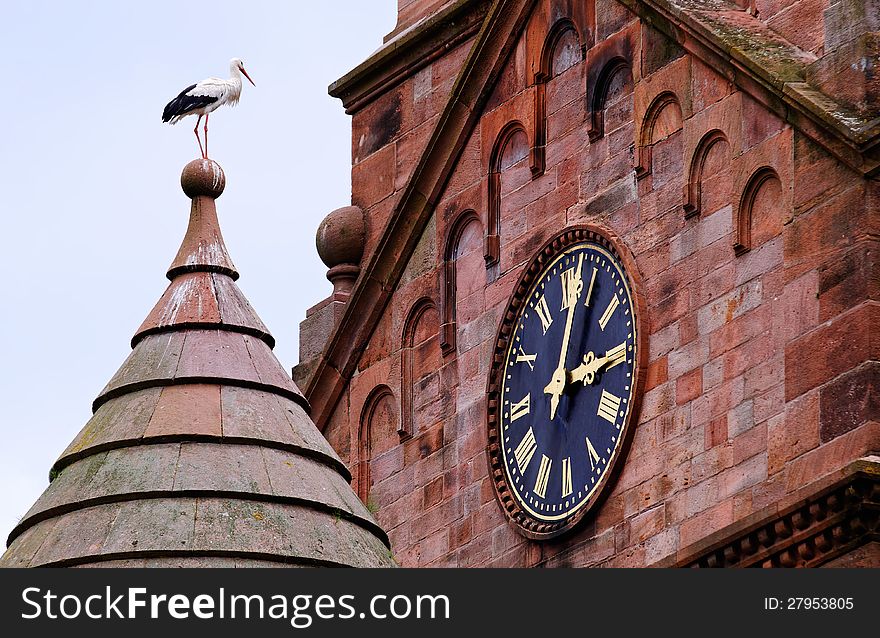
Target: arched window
x,y
662,120
759,216
378,425
711,157
561,51
613,83
466,227
511,147
420,355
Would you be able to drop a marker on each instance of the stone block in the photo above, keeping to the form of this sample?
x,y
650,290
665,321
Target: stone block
x,y
658,50
832,349
372,180
846,20
801,24
847,281
315,330
850,401
689,386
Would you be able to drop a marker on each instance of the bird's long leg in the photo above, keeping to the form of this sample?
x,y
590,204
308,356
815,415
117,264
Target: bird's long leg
x,y
196,131
206,134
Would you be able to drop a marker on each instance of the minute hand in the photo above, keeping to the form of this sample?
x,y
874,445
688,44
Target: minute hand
x,y
557,383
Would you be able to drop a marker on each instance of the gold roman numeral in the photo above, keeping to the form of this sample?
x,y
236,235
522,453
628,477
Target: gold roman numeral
x,y
543,311
590,289
608,406
520,409
566,477
522,357
594,456
606,316
616,355
543,476
525,451
571,283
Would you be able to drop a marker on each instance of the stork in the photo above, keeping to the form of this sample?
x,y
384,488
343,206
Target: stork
x,y
206,96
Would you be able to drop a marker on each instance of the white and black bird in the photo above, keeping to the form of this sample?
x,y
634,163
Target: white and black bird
x,y
206,96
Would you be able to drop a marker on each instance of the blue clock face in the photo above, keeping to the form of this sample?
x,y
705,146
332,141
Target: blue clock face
x,y
566,384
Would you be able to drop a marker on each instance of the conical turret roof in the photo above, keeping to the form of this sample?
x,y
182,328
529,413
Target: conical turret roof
x,y
200,451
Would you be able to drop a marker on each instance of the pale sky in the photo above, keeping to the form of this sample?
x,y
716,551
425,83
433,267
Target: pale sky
x,y
90,200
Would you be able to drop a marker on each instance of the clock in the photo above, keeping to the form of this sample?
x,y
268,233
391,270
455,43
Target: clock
x,y
565,381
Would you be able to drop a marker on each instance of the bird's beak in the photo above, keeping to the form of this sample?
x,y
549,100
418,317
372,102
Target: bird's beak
x,y
246,75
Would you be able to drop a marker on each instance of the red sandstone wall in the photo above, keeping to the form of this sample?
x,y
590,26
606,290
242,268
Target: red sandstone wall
x,y
758,355
799,21
410,12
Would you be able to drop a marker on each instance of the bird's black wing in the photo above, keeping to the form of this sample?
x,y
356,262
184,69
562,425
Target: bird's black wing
x,y
183,104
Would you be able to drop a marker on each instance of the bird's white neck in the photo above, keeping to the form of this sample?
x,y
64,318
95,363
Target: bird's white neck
x,y
235,84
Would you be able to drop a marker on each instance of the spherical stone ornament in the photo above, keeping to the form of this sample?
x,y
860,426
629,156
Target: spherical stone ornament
x,y
203,178
341,237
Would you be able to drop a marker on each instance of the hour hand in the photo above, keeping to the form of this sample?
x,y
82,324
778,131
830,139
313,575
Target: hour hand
x,y
555,389
586,371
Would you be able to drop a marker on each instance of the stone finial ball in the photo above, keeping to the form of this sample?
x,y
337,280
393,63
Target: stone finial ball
x,y
203,178
341,237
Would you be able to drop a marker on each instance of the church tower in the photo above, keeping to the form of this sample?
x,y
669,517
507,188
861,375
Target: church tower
x,y
617,296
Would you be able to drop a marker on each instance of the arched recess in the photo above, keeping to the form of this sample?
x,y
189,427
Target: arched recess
x,y
378,422
448,301
662,119
758,207
711,155
499,160
563,48
615,77
561,51
419,361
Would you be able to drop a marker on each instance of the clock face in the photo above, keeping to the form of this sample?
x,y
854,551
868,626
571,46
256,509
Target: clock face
x,y
564,388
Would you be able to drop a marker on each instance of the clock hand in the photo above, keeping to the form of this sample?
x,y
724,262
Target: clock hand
x,y
557,383
555,389
578,374
586,371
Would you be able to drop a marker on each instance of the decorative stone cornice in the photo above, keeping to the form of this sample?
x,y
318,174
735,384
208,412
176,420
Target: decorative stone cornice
x,y
818,523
